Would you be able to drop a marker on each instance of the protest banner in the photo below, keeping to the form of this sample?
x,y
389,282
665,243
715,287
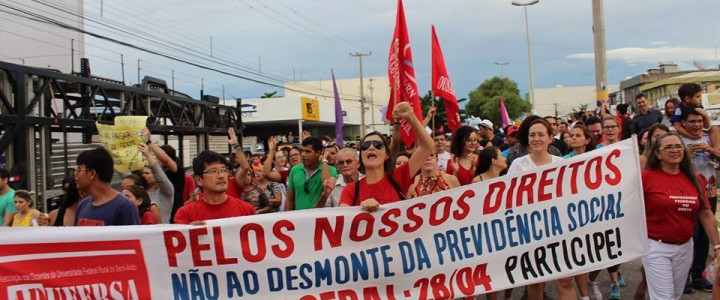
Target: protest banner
x,y
122,140
570,217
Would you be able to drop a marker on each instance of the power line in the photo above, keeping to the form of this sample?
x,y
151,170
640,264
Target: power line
x,y
39,18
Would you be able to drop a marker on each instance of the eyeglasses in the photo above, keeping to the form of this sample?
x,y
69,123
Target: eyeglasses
x,y
673,148
216,172
611,127
377,144
279,156
344,162
78,170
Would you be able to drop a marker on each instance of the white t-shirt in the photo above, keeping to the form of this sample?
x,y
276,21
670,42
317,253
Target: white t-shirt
x,y
443,159
525,163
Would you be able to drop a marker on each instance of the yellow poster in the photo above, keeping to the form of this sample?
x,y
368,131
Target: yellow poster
x,y
310,109
122,140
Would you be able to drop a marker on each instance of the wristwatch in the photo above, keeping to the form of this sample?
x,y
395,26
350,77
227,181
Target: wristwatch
x,y
324,160
716,247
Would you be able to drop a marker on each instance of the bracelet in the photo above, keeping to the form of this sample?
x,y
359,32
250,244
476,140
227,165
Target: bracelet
x,y
236,145
324,160
716,247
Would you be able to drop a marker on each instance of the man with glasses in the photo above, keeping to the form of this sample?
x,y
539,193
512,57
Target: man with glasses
x,y
348,164
305,182
212,176
104,206
7,199
701,151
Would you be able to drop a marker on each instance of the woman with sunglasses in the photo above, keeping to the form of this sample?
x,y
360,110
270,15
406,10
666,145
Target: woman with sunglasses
x,y
383,183
674,200
464,161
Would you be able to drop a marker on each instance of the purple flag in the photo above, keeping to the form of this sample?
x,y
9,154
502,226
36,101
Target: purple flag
x,y
338,115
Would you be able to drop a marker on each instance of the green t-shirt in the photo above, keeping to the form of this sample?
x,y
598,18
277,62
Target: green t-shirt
x,y
307,187
7,204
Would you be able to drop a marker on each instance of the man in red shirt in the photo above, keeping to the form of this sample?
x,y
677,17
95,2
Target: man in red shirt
x,y
212,176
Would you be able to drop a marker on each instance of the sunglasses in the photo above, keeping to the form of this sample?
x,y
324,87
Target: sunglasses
x,y
377,144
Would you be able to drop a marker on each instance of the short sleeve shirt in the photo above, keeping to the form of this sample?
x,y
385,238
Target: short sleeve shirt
x,y
118,211
382,191
7,204
307,187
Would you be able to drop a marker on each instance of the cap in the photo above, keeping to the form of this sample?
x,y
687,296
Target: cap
x,y
486,123
511,129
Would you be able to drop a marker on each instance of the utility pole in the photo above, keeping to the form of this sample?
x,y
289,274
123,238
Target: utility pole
x,y
502,68
527,39
122,67
372,103
362,96
138,82
556,110
600,63
72,56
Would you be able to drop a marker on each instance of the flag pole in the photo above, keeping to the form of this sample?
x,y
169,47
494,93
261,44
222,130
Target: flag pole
x,y
432,105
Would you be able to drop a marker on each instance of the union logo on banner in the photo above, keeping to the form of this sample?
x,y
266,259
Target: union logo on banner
x,y
80,270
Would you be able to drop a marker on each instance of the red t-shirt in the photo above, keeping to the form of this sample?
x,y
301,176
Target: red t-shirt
x,y
382,191
188,188
234,189
463,175
671,205
147,218
202,211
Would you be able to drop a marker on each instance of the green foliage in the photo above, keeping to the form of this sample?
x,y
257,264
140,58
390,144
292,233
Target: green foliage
x,y
268,95
441,114
485,100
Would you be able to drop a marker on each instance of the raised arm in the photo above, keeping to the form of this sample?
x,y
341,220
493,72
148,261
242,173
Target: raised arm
x,y
267,166
239,156
425,144
164,159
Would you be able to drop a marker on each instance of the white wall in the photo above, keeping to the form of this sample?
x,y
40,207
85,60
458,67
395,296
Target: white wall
x,y
39,44
566,98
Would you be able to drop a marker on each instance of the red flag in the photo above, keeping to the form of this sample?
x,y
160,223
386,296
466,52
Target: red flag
x,y
403,87
441,85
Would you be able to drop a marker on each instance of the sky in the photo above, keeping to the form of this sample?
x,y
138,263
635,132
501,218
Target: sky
x,y
278,40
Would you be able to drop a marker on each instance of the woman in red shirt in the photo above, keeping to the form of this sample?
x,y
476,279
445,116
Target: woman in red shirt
x,y
674,199
464,161
381,183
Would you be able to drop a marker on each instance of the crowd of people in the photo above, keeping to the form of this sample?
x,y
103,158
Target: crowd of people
x,y
679,150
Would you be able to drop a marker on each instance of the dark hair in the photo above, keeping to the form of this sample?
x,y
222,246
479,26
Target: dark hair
x,y
592,120
689,110
389,164
586,132
622,108
437,133
688,90
458,141
525,140
141,193
100,160
4,173
672,100
641,95
170,151
651,131
316,143
686,167
205,158
550,117
406,154
524,129
25,195
139,180
486,157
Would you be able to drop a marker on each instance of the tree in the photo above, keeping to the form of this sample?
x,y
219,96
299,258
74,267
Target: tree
x,y
441,114
268,95
485,100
